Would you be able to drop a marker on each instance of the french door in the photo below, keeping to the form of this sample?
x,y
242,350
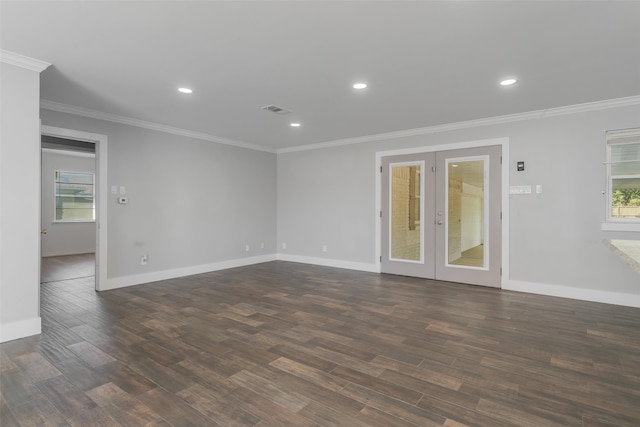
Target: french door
x,y
441,215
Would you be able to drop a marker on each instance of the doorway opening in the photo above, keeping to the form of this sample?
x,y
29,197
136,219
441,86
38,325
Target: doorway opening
x,y
68,215
443,214
73,207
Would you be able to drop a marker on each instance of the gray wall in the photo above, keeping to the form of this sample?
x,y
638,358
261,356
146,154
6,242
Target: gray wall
x,y
67,238
191,202
19,202
327,197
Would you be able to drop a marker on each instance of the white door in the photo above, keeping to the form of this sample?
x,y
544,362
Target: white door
x,y
441,215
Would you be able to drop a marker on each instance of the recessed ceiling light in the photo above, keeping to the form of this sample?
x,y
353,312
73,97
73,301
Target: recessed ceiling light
x,y
184,90
508,82
359,85
295,125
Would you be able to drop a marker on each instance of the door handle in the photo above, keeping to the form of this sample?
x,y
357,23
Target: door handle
x,y
440,222
43,231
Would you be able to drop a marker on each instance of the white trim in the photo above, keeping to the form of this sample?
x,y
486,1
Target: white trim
x,y
612,223
509,118
423,174
503,142
102,196
620,226
22,61
496,120
594,295
138,279
20,329
505,212
68,153
444,147
85,112
336,263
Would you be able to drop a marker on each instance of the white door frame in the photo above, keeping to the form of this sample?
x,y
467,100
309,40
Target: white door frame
x,y
101,178
503,142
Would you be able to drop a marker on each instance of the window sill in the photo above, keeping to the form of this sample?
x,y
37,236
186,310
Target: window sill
x,y
621,226
88,221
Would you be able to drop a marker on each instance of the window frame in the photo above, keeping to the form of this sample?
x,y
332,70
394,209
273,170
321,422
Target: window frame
x,y
612,223
56,173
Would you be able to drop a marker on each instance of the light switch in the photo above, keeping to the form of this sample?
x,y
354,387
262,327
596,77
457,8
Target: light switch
x,y
538,189
123,190
114,189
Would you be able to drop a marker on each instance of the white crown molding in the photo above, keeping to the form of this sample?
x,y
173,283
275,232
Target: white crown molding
x,y
22,61
85,112
538,114
509,118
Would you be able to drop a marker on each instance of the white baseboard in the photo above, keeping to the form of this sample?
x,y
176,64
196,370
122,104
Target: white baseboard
x,y
594,295
325,262
617,298
20,329
138,279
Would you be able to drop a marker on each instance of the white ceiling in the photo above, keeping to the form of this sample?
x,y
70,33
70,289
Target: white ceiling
x,y
426,62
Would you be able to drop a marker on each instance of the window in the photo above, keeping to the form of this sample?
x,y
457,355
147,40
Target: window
x,y
74,195
623,171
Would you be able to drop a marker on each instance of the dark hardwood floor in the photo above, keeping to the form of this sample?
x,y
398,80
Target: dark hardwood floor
x,y
298,345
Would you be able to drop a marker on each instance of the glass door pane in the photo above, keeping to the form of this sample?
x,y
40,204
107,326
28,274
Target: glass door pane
x,y
466,212
440,215
406,212
407,215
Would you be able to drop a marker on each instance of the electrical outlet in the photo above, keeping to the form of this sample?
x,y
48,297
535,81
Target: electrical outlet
x,y
262,245
246,248
144,259
324,248
284,245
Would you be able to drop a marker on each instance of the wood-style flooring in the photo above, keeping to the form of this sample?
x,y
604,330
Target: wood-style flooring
x,y
58,268
285,344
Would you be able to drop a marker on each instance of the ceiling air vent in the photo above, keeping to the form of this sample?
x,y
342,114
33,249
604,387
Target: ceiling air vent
x,y
276,109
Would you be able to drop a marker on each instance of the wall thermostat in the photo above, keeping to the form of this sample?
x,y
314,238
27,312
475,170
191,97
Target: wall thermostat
x,y
123,200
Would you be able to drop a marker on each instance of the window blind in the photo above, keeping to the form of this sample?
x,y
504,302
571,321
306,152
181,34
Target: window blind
x,y
625,151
